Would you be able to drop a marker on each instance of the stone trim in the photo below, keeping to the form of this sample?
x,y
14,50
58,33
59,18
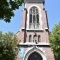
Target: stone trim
x,y
35,49
41,44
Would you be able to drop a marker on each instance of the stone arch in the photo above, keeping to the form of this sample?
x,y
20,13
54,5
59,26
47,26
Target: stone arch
x,y
37,50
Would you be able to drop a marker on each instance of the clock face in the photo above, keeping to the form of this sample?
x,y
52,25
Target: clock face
x,y
21,52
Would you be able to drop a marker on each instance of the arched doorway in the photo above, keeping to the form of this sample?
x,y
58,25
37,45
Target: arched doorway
x,y
35,56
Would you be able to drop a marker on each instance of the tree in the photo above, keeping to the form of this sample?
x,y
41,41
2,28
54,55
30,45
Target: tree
x,y
7,8
8,44
55,41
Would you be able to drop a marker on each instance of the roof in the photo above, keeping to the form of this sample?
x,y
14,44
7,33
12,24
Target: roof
x,y
33,1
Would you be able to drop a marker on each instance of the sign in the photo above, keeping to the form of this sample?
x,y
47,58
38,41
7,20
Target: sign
x,y
21,52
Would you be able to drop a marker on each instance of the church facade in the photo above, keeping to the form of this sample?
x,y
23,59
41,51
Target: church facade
x,y
33,37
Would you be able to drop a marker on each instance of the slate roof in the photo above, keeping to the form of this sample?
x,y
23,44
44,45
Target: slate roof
x,y
34,1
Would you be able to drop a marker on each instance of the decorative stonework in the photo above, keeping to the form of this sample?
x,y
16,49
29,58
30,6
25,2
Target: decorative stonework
x,y
35,49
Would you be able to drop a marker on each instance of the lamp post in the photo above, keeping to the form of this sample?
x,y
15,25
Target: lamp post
x,y
35,38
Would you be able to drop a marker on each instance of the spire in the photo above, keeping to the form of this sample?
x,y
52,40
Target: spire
x,y
34,1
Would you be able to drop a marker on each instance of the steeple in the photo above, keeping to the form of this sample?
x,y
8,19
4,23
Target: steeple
x,y
34,33
34,1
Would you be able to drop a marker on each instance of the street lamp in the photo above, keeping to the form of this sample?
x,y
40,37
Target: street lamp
x,y
35,38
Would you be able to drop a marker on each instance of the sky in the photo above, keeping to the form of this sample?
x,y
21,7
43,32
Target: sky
x,y
53,12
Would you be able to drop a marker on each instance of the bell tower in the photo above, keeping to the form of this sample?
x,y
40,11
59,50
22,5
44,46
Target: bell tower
x,y
33,37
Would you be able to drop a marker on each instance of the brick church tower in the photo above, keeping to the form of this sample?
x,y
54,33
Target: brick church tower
x,y
33,37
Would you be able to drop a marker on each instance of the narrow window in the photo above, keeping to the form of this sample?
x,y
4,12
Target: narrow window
x,y
34,19
30,38
37,21
30,21
38,38
37,18
30,18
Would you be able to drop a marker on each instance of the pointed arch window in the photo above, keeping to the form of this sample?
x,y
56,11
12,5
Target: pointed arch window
x,y
34,18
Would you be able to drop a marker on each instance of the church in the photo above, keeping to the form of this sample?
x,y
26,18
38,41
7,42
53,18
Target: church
x,y
33,37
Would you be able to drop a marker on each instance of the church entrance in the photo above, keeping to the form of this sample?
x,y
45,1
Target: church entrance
x,y
35,56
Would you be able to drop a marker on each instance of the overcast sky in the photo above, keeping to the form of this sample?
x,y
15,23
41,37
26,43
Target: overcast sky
x,y
53,12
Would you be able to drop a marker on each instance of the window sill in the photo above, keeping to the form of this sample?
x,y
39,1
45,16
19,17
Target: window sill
x,y
34,44
38,30
46,29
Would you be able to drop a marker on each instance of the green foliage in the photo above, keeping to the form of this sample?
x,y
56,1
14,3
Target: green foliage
x,y
55,41
7,8
8,44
